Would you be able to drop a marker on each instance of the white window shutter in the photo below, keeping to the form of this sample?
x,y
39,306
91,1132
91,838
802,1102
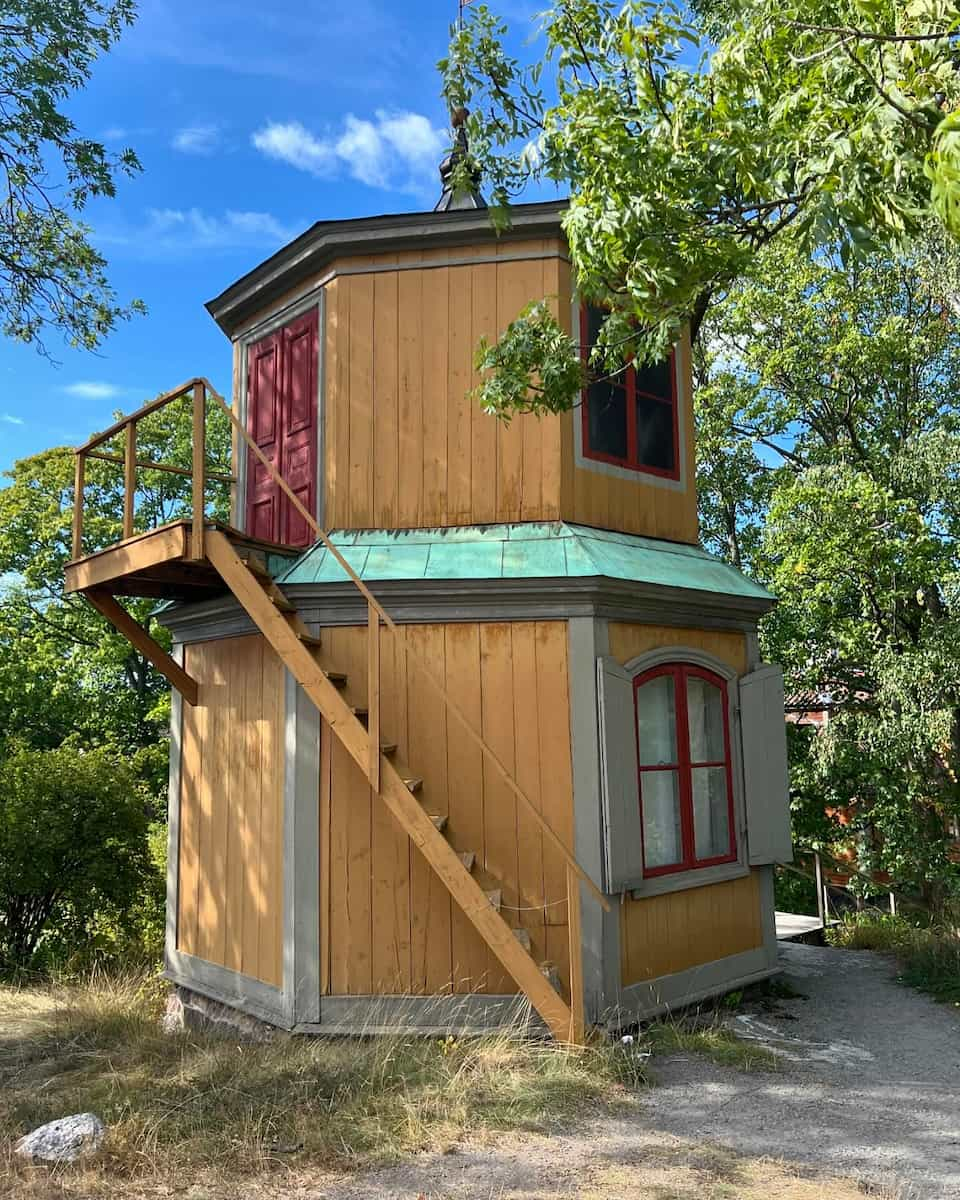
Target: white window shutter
x,y
766,783
620,788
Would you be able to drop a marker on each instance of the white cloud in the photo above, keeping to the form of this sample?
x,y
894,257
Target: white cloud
x,y
171,232
196,139
93,389
396,150
9,419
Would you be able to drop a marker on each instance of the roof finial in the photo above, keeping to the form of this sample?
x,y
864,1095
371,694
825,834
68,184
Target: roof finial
x,y
455,195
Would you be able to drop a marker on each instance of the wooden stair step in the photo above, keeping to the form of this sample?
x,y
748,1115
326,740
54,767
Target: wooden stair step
x,y
280,601
496,898
439,821
413,783
311,641
468,858
337,678
256,567
361,712
388,748
523,937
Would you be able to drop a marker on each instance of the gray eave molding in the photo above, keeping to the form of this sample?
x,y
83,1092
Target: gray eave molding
x,y
324,241
452,600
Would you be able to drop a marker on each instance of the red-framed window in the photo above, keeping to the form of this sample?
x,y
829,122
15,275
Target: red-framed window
x,y
631,420
683,761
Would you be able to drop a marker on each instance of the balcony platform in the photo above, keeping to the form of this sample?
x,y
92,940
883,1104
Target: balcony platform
x,y
160,564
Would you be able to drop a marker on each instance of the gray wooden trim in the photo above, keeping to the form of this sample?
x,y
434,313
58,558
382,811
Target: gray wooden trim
x,y
301,856
672,992
173,815
587,822
768,914
444,600
247,995
680,653
437,1015
325,241
699,877
321,505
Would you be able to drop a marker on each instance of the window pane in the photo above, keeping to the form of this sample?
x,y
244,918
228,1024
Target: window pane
x,y
660,799
607,419
711,812
705,709
656,380
655,434
657,722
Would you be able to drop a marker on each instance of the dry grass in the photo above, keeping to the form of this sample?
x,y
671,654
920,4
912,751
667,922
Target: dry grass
x,y
193,1105
708,1038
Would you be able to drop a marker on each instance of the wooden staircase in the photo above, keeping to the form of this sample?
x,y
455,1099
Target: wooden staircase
x,y
202,553
275,617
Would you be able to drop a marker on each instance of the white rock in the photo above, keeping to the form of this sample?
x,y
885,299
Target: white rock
x,y
63,1140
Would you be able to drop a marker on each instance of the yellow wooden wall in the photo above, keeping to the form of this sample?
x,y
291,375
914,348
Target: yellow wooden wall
x,y
660,935
388,925
230,909
405,445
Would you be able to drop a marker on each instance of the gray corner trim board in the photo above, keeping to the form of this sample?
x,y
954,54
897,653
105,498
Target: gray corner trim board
x,y
448,600
448,1014
768,915
173,816
301,857
598,978
247,995
670,993
324,241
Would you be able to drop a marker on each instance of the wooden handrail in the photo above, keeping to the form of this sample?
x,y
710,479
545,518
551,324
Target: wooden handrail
x,y
375,606
197,390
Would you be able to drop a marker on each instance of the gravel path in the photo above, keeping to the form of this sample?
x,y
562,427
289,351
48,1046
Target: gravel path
x,y
869,1088
870,1085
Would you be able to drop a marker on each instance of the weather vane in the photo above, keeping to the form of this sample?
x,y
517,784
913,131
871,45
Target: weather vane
x,y
462,4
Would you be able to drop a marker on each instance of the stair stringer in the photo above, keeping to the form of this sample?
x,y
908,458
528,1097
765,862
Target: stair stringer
x,y
402,805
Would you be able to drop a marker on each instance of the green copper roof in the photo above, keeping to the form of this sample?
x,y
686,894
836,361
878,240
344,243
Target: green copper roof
x,y
524,551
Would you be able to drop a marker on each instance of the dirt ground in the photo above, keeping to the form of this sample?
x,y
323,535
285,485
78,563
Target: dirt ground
x,y
869,1089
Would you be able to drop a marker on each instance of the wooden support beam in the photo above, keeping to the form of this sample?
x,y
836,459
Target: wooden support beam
x,y
199,468
402,805
78,484
129,478
575,935
138,637
373,696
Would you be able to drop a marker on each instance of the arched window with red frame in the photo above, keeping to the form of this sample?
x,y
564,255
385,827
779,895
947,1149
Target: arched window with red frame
x,y
632,419
684,765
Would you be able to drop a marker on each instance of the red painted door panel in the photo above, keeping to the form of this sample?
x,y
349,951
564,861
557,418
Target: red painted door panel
x,y
282,418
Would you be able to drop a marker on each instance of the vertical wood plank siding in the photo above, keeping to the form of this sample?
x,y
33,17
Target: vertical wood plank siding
x,y
231,814
661,935
388,925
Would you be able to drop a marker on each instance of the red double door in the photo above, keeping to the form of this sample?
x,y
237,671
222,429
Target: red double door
x,y
282,419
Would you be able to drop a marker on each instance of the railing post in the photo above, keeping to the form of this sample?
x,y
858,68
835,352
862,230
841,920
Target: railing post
x,y
373,695
129,478
199,467
821,891
575,935
78,482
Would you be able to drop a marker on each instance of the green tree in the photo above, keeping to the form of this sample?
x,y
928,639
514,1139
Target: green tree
x,y
831,468
690,141
51,275
73,846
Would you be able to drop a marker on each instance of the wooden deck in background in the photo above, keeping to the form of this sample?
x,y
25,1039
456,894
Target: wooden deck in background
x,y
791,926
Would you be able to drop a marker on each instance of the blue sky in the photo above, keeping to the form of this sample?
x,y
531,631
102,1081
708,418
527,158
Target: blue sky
x,y
251,121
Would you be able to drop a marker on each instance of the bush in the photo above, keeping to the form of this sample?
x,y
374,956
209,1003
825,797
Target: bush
x,y
929,956
73,849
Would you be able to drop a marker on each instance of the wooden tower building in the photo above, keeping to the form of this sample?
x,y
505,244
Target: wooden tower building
x,y
502,733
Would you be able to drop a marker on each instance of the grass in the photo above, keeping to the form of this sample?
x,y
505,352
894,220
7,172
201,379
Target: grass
x,y
929,957
182,1104
710,1039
